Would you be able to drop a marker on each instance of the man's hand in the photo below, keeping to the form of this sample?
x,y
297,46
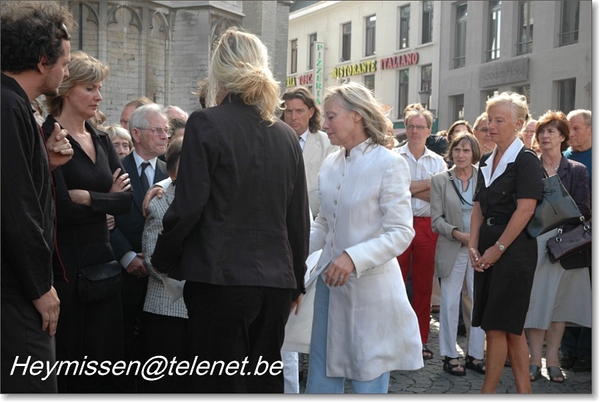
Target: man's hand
x,y
155,191
48,305
59,148
137,267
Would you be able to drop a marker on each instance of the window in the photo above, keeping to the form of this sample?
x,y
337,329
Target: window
x,y
294,56
526,91
566,95
311,50
426,78
427,33
369,82
404,27
491,93
493,52
370,36
460,40
458,102
569,27
402,93
525,27
346,41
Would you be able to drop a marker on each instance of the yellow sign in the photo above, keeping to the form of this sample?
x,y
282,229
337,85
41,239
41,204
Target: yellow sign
x,y
355,69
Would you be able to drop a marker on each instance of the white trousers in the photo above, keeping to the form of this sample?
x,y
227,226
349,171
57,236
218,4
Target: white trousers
x,y
291,382
449,307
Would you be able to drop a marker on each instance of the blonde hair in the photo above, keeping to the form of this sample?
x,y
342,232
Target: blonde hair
x,y
240,65
357,98
83,69
517,103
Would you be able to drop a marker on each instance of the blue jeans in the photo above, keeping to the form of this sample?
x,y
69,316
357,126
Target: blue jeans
x,y
318,382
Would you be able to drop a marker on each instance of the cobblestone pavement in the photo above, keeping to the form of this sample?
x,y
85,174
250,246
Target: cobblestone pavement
x,y
431,379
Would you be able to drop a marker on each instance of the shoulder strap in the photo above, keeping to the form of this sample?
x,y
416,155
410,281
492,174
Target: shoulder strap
x,y
453,184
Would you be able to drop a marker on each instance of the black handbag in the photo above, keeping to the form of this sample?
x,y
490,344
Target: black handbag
x,y
96,282
556,208
573,249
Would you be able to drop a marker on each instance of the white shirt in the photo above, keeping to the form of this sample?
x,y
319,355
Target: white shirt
x,y
302,138
422,169
149,170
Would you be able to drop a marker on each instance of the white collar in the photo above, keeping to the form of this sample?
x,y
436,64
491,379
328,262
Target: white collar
x,y
139,160
510,155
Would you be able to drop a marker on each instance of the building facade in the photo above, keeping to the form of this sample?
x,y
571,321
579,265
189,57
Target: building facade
x,y
447,55
161,49
541,49
391,47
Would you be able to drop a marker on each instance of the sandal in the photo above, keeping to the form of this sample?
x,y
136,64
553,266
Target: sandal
x,y
555,374
475,364
534,372
454,369
427,354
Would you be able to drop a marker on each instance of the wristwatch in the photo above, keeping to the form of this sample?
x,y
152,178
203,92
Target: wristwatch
x,y
500,246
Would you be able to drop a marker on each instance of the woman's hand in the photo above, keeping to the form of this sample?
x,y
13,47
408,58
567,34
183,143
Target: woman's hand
x,y
120,183
489,258
339,271
296,304
81,197
155,191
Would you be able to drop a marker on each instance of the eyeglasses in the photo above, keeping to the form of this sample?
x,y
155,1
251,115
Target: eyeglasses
x,y
157,130
413,127
483,129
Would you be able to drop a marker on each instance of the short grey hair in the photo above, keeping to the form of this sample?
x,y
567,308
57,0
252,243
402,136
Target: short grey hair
x,y
139,118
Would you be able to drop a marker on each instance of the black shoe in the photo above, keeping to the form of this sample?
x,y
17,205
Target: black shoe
x,y
582,365
567,361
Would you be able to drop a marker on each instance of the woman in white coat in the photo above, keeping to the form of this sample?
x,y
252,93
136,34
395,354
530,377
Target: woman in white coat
x,y
363,324
451,205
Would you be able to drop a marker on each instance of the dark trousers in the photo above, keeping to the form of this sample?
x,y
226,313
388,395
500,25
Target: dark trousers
x,y
22,339
241,326
577,342
133,296
89,332
166,336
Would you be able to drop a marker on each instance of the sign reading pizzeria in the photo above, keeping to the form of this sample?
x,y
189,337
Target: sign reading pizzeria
x,y
400,60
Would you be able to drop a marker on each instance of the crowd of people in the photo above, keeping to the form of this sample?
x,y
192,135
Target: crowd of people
x,y
188,235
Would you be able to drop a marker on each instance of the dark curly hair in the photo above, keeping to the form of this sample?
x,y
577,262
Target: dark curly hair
x,y
314,124
32,32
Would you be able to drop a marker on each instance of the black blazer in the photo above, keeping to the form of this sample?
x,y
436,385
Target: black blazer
x,y
240,214
127,234
574,176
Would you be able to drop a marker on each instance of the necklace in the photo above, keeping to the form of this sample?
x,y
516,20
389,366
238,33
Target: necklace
x,y
552,169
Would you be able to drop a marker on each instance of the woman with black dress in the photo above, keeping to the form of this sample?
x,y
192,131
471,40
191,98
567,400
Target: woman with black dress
x,y
504,257
88,187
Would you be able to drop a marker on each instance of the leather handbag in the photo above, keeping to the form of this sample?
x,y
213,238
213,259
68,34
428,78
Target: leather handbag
x,y
573,249
98,281
556,208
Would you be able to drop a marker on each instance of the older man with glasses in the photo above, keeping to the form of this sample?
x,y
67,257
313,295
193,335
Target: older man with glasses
x,y
419,257
149,131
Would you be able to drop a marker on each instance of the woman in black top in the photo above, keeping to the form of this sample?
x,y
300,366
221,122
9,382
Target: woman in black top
x,y
88,187
509,185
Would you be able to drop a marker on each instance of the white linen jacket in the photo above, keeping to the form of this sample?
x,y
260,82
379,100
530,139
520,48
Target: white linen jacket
x,y
366,211
446,215
316,149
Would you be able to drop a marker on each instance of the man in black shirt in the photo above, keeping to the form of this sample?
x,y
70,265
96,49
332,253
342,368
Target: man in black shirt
x,y
35,57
